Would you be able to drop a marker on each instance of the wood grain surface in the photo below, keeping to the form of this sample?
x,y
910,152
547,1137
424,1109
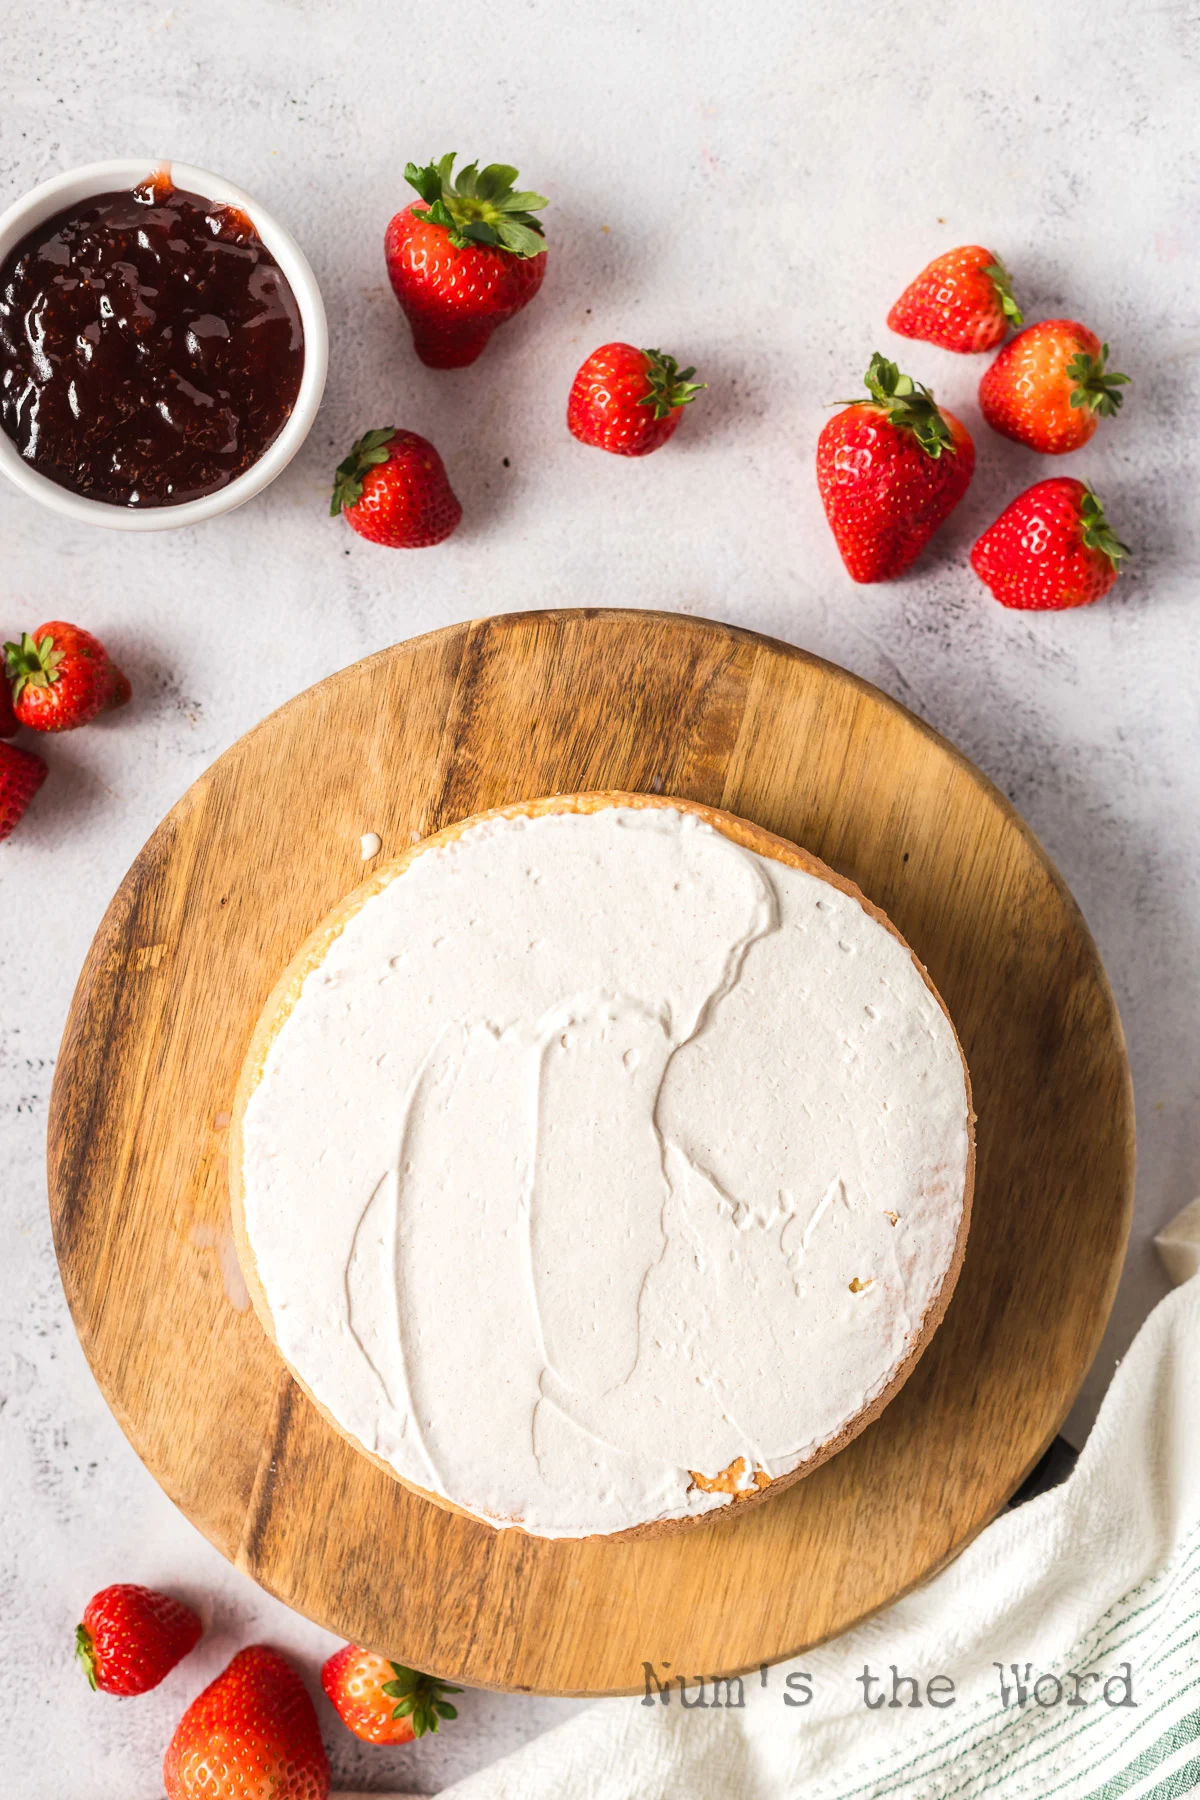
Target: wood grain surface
x,y
267,842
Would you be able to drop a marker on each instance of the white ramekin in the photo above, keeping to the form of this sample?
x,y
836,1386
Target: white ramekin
x,y
103,177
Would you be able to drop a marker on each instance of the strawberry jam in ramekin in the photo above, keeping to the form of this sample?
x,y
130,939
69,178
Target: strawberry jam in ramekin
x,y
151,348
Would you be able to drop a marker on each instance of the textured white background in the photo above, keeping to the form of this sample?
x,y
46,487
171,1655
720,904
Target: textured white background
x,y
748,186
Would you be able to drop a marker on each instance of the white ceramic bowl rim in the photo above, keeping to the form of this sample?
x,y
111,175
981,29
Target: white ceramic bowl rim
x,y
75,185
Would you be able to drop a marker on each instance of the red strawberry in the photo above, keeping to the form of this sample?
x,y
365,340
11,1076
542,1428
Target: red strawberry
x,y
1051,549
628,401
131,1637
61,677
251,1734
466,260
1049,387
382,1701
962,300
21,775
889,470
394,490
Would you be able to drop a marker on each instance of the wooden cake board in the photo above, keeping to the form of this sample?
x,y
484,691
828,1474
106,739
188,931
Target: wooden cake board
x,y
264,844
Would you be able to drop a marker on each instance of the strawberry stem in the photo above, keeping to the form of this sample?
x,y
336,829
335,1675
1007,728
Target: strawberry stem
x,y
1002,282
420,1699
31,665
670,386
1097,533
480,206
86,1654
908,405
1096,385
370,450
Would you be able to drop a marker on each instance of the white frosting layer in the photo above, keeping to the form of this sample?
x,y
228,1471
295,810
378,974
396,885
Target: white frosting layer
x,y
599,1150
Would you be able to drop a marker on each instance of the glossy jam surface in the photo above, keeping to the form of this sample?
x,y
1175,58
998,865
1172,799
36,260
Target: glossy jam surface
x,y
150,347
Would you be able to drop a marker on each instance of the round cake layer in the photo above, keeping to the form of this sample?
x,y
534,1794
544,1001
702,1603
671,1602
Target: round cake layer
x,y
602,1162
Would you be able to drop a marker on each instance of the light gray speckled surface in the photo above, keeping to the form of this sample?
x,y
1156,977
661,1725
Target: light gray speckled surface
x,y
749,186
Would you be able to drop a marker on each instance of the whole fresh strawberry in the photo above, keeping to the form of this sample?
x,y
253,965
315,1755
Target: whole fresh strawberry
x,y
1051,549
394,490
889,470
384,1702
962,300
465,258
21,775
62,676
1049,387
629,401
251,1735
131,1637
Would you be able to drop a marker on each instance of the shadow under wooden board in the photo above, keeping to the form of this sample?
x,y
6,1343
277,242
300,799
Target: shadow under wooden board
x,y
253,857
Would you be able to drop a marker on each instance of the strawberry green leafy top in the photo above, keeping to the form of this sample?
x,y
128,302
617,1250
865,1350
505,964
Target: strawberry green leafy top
x,y
1097,533
1002,282
670,386
420,1698
480,206
1097,384
907,404
31,665
86,1654
369,451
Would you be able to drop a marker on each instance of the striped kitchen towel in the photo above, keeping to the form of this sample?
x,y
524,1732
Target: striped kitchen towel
x,y
1057,1659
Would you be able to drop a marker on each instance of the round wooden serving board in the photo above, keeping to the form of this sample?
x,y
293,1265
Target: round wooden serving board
x,y
267,842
